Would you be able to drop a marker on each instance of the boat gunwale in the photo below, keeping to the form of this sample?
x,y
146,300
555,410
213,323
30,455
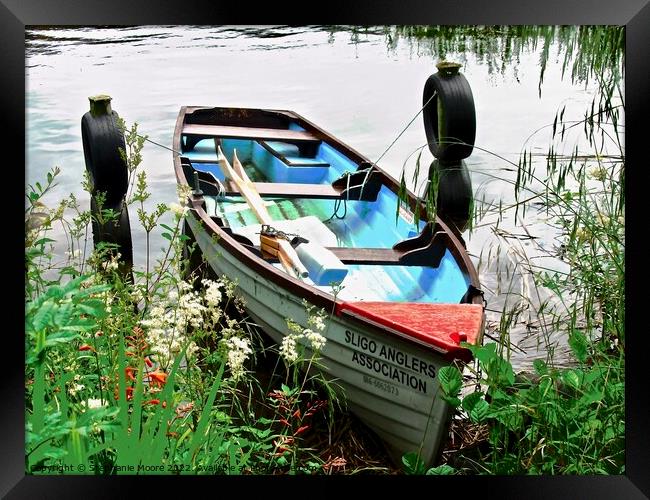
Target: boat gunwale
x,y
300,288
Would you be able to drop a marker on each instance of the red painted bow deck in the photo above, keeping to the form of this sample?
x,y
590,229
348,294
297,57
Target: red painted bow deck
x,y
442,326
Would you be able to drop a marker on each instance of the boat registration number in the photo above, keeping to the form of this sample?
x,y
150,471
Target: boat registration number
x,y
380,384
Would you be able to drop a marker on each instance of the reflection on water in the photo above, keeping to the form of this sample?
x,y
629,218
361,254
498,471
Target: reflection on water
x,y
362,85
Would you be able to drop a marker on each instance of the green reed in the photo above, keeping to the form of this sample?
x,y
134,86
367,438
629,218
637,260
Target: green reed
x,y
553,420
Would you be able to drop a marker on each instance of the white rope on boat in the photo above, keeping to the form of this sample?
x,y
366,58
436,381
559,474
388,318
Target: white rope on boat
x,y
374,164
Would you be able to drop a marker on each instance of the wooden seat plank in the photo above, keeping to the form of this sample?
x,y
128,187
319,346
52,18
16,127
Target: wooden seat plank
x,y
249,133
363,256
375,256
288,190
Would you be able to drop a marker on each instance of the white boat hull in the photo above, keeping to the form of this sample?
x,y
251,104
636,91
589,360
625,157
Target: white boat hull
x,y
389,383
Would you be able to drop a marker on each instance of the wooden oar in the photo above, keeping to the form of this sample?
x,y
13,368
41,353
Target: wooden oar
x,y
286,254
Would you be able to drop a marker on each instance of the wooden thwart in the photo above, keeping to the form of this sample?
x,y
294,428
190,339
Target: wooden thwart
x,y
428,255
248,133
288,190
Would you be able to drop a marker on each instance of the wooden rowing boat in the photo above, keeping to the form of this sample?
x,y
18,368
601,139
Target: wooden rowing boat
x,y
404,295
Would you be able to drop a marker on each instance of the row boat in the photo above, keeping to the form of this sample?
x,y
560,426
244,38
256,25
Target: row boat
x,y
402,291
297,217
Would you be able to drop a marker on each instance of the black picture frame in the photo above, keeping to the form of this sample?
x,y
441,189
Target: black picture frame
x,y
634,14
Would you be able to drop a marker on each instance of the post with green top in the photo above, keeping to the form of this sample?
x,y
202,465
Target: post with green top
x,y
103,141
448,68
100,105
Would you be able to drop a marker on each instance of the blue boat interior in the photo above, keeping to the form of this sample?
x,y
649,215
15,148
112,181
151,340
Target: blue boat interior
x,y
331,222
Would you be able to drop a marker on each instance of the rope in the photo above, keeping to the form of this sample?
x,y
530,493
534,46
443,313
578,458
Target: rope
x,y
337,203
363,184
158,144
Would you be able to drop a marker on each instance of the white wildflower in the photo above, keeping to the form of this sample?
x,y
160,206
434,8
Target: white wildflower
x,y
213,294
178,209
137,294
168,318
288,349
238,352
316,340
318,322
112,264
95,403
191,350
215,315
183,191
75,388
229,285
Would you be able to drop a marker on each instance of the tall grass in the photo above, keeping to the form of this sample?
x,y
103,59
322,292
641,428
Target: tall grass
x,y
144,374
554,420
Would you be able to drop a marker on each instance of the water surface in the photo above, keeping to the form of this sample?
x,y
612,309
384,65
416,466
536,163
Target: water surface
x,y
362,87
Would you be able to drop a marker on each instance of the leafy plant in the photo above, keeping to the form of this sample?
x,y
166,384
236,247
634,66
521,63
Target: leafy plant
x,y
563,421
145,375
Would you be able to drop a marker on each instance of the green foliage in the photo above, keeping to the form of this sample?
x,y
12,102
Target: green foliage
x,y
413,464
146,376
564,421
557,420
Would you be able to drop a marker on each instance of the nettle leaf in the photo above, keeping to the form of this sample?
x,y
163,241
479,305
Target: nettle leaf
x,y
500,397
479,411
73,286
93,307
485,353
60,337
413,463
512,417
80,324
453,401
507,372
441,470
43,241
592,397
579,345
573,378
43,316
451,380
470,400
91,290
62,314
540,367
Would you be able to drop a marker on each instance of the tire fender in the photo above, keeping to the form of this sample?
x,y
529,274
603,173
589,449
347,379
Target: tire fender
x,y
454,195
449,116
114,231
102,140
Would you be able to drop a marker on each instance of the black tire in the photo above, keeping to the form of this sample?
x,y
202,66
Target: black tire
x,y
454,196
102,139
115,231
449,116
